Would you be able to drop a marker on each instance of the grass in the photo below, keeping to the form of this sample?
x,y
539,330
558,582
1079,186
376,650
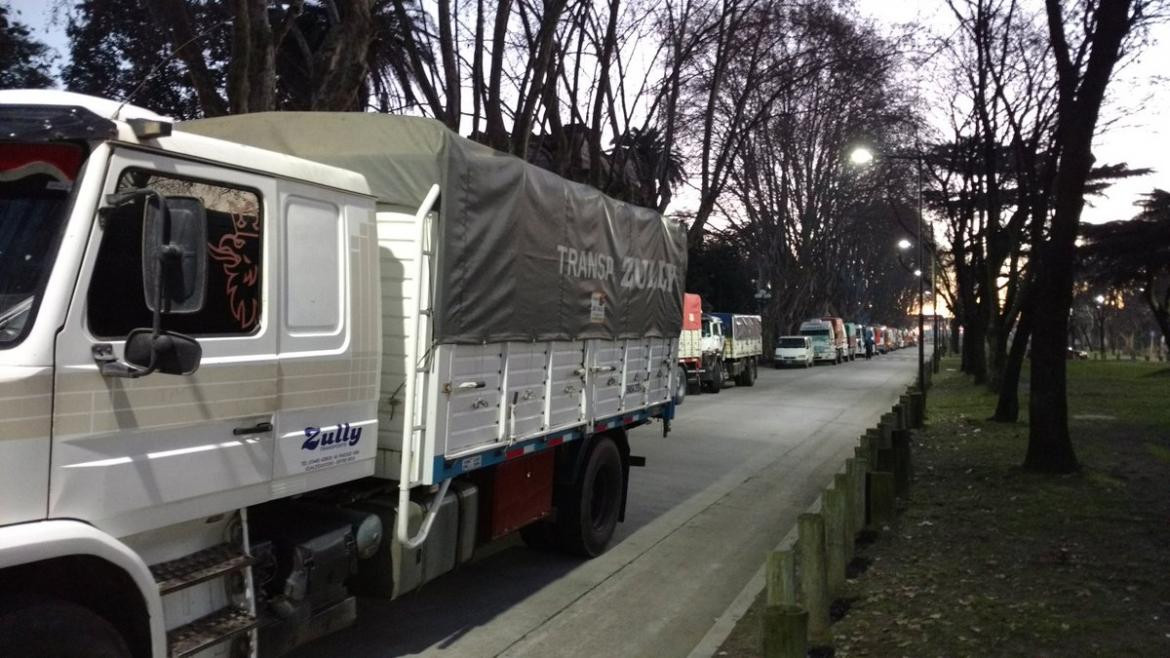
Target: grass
x,y
989,560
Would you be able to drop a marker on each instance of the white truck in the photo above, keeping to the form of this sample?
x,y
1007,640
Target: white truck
x,y
251,366
743,346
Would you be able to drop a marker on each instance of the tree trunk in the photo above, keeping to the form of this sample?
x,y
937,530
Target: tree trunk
x,y
340,65
1049,444
172,16
975,348
1050,447
1007,408
497,135
607,48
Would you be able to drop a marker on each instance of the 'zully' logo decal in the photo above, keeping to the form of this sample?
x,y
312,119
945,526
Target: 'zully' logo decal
x,y
342,434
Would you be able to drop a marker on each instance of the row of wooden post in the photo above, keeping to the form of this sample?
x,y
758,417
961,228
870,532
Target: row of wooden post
x,y
805,575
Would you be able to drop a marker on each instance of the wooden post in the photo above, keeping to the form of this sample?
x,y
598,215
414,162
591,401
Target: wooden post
x,y
834,512
813,586
907,405
902,467
881,498
887,427
844,482
875,444
781,577
860,469
885,460
867,448
785,631
919,409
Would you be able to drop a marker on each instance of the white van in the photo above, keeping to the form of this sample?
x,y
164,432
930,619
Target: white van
x,y
793,351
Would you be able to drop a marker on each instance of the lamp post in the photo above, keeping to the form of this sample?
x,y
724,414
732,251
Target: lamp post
x,y
862,156
1100,299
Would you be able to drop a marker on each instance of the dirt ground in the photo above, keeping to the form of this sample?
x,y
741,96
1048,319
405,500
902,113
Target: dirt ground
x,y
987,560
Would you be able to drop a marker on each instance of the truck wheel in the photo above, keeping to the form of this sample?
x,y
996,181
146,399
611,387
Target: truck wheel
x,y
680,384
59,629
716,382
751,374
586,523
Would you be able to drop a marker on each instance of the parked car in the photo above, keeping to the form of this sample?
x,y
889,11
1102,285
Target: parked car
x,y
793,351
1075,354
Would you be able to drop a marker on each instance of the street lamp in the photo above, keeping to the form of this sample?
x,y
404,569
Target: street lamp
x,y
1100,299
862,156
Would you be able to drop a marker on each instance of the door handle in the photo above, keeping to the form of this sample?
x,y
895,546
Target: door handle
x,y
258,428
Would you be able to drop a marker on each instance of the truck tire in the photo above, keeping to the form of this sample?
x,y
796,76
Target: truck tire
x,y
59,629
716,381
751,373
680,384
587,521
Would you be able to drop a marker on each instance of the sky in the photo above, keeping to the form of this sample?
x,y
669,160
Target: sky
x,y
1137,133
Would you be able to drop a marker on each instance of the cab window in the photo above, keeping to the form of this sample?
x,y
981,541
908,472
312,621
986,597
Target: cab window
x,y
116,300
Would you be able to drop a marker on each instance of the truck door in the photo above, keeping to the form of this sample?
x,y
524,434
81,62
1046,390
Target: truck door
x,y
135,453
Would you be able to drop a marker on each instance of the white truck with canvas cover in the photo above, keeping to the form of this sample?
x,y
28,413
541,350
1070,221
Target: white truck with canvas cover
x,y
743,347
252,366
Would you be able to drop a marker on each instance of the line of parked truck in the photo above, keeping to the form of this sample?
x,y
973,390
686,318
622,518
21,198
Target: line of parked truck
x,y
835,341
715,348
252,367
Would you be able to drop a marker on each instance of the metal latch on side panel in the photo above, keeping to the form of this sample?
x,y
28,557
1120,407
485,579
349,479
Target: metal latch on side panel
x,y
449,387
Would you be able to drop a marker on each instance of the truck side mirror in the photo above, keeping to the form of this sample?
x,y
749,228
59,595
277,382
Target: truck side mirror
x,y
174,278
169,352
174,254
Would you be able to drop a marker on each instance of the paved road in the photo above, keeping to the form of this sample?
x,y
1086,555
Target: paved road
x,y
715,496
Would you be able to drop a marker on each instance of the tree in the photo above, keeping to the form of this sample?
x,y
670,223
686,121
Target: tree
x,y
206,59
1134,255
1084,66
24,61
807,219
115,48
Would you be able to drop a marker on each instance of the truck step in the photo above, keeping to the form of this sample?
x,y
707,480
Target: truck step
x,y
199,567
209,631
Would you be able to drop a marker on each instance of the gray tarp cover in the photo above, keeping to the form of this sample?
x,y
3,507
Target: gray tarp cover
x,y
523,254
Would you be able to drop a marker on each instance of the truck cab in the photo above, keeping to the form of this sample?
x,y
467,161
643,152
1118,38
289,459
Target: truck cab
x,y
824,341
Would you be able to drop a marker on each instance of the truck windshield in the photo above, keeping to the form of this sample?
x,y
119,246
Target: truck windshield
x,y
815,332
35,184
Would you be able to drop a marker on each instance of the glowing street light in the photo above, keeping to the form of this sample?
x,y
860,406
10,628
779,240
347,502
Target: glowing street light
x,y
904,244
861,156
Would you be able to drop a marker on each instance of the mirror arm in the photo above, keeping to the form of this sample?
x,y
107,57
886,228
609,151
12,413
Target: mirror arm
x,y
109,365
